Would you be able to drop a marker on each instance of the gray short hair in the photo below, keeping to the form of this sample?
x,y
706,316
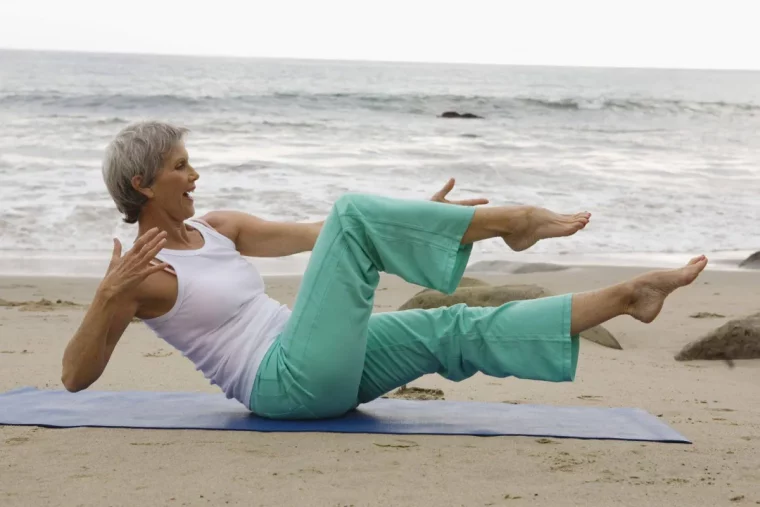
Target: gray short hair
x,y
138,150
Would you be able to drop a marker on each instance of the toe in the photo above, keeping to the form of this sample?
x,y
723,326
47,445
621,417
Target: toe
x,y
695,260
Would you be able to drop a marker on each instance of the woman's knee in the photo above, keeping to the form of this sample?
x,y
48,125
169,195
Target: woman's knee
x,y
353,202
452,313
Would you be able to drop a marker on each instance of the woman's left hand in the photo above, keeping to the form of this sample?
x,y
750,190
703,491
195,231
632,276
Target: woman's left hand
x,y
440,196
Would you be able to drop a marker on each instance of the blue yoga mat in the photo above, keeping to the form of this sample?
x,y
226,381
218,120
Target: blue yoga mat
x,y
158,410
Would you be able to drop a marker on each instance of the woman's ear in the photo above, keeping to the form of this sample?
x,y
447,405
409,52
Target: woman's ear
x,y
137,185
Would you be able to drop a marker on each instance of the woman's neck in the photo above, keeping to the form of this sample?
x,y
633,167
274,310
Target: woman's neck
x,y
178,235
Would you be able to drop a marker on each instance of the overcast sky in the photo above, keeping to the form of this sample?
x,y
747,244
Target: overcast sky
x,y
641,33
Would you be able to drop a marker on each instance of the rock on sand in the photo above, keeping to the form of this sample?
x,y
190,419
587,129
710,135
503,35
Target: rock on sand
x,y
751,262
736,339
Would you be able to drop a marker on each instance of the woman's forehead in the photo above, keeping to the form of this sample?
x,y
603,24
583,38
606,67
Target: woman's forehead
x,y
178,151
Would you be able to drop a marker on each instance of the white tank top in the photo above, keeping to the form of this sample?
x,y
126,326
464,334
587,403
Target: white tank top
x,y
222,320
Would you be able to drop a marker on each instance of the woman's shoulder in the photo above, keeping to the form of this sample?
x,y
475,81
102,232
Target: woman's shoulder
x,y
222,222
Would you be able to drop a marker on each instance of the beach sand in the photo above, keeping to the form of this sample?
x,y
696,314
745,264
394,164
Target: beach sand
x,y
715,406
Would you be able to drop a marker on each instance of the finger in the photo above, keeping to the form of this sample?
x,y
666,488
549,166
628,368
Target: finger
x,y
150,245
138,259
150,251
145,239
440,196
154,268
447,188
471,202
116,255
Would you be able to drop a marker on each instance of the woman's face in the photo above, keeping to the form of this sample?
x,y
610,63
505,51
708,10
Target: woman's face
x,y
173,185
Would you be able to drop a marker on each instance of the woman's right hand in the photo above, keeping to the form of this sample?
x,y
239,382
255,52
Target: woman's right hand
x,y
127,272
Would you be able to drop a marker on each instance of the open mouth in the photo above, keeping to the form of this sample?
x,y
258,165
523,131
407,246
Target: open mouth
x,y
187,194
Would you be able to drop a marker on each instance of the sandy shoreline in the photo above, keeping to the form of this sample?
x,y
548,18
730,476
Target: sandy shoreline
x,y
716,407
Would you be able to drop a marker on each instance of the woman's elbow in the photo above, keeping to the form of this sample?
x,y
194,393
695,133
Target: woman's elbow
x,y
69,384
72,383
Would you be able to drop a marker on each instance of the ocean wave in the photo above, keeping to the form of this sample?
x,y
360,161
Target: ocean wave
x,y
671,105
94,101
251,166
408,103
112,121
291,124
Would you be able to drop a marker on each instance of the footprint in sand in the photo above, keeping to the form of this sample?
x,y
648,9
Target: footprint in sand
x,y
567,463
310,470
16,440
416,393
80,476
157,353
43,305
403,444
706,315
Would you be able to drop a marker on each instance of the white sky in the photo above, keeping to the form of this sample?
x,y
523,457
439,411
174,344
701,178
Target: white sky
x,y
639,33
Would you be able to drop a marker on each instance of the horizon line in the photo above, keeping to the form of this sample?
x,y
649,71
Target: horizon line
x,y
382,61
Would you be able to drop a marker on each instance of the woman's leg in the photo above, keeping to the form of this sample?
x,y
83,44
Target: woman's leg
x,y
314,368
525,339
535,339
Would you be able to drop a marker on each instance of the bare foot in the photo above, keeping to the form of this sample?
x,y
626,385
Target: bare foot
x,y
648,292
540,223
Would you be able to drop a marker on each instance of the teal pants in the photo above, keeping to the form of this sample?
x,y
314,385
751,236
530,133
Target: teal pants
x,y
335,354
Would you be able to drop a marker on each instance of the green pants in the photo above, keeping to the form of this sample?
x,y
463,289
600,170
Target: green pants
x,y
334,354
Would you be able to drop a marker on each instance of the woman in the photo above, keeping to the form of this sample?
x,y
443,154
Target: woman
x,y
187,279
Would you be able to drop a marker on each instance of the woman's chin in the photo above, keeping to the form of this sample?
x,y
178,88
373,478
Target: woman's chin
x,y
188,210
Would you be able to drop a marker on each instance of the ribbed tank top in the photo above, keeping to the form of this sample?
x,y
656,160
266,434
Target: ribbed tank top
x,y
222,320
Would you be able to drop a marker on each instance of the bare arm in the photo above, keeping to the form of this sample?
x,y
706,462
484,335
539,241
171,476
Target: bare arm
x,y
256,237
89,350
113,307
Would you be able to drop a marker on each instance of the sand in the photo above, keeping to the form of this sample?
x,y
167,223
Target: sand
x,y
716,406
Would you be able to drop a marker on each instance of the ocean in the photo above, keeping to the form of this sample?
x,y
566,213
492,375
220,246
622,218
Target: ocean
x,y
668,161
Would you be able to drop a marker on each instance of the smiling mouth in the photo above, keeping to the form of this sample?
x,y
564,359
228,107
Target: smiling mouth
x,y
187,194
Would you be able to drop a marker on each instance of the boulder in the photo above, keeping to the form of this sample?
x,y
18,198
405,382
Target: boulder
x,y
736,339
751,262
454,114
476,293
466,281
483,295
